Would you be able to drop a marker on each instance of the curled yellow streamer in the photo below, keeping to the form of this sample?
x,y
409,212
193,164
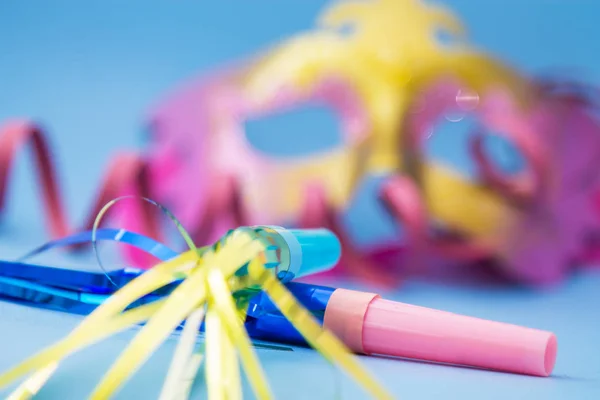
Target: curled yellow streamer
x,y
32,385
210,281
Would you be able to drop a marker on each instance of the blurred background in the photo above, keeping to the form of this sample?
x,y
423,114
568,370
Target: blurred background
x,y
91,71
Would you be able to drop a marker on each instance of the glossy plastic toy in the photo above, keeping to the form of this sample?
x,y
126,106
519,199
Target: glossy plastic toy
x,y
209,287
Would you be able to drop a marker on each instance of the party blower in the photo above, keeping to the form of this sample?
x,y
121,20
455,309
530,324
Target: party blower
x,y
365,323
368,324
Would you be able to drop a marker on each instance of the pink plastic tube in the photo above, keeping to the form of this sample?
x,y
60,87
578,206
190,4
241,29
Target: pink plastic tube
x,y
369,324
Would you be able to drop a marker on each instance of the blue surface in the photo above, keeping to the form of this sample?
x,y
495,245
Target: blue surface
x,y
90,71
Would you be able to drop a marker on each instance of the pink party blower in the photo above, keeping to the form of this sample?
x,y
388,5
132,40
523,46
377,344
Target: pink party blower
x,y
369,324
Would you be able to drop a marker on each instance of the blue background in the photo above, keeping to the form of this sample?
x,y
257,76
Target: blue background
x,y
89,72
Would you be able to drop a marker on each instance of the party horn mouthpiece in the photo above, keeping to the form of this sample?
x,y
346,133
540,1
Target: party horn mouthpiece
x,y
369,324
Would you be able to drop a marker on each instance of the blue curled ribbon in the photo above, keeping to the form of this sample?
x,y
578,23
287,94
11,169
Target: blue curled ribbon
x,y
81,291
144,243
49,286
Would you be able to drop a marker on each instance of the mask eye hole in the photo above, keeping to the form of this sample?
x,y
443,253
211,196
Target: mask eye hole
x,y
504,154
444,120
449,143
297,133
